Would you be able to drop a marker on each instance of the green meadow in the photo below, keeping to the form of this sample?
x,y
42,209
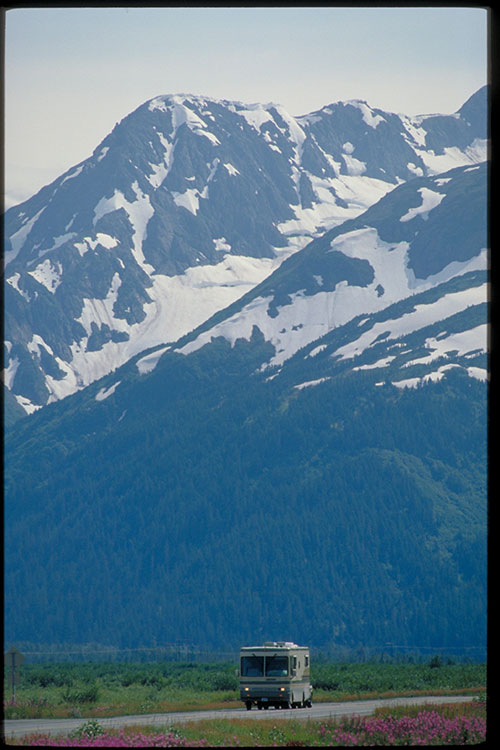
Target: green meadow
x,y
93,690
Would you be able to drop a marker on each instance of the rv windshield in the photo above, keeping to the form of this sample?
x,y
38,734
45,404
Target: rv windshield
x,y
252,666
276,666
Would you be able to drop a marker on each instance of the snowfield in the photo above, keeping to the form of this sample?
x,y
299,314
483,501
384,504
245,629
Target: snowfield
x,y
309,317
424,315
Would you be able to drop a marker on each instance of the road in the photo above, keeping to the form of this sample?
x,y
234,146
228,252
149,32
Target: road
x,y
19,727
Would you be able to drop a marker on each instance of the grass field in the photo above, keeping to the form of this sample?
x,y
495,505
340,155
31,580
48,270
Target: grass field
x,y
95,690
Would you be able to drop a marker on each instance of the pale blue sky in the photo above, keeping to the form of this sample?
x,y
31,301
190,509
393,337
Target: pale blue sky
x,y
72,73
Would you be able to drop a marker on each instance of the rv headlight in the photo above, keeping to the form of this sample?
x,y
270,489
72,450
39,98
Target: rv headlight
x,y
247,689
282,690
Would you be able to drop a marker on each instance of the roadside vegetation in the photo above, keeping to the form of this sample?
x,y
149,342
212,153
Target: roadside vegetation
x,y
93,690
446,724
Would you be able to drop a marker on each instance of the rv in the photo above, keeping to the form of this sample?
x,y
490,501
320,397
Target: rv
x,y
275,674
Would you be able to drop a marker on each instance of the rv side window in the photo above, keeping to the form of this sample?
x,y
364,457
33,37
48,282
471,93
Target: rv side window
x,y
294,662
307,661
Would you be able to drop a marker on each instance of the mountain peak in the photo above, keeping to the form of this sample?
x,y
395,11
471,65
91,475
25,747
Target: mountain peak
x,y
188,204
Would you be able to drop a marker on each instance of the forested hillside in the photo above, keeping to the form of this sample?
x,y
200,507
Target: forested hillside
x,y
209,502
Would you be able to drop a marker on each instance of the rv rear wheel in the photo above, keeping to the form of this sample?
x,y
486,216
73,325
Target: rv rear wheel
x,y
249,705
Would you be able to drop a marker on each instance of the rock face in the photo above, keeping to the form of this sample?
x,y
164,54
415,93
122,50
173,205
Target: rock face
x,y
187,205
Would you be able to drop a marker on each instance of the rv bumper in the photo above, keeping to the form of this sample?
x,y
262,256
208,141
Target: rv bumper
x,y
265,693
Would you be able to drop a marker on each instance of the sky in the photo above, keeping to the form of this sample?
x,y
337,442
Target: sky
x,y
72,73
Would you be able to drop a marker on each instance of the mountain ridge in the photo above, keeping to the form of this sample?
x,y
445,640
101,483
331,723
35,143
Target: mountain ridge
x,y
458,221
197,201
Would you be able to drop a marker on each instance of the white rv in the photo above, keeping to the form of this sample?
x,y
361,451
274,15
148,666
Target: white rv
x,y
275,674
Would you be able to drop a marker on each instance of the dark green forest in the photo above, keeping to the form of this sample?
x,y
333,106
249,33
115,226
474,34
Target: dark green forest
x,y
207,503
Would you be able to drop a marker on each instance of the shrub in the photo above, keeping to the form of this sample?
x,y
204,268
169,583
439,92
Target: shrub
x,y
90,729
87,694
223,681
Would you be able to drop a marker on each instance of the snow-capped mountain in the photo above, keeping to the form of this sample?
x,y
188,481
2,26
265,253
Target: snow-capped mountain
x,y
287,427
190,203
423,234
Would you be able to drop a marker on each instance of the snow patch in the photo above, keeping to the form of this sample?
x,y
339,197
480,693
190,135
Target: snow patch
x,y
430,199
58,241
105,240
28,407
415,134
232,170
473,372
100,311
418,171
188,200
381,363
454,157
462,343
14,282
158,103
139,213
369,118
317,349
354,167
422,316
358,192
388,260
161,170
254,114
310,383
19,238
48,274
104,393
221,244
148,363
478,372
9,372
72,175
36,342
182,114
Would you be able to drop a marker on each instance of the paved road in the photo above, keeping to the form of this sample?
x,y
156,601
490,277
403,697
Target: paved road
x,y
19,727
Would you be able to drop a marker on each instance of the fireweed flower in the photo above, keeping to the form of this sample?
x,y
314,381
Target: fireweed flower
x,y
113,740
427,728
